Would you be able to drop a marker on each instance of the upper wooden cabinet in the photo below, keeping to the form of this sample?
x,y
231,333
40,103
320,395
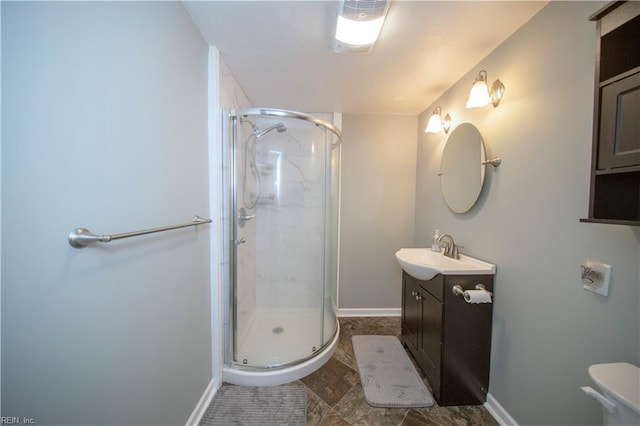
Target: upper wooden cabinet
x,y
615,173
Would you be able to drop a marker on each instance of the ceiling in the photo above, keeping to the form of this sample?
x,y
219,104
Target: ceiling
x,y
281,51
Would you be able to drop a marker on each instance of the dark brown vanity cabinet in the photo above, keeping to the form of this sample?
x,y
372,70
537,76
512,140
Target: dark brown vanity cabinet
x,y
615,171
449,338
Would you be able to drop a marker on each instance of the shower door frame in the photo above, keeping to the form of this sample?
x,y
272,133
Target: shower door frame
x,y
233,116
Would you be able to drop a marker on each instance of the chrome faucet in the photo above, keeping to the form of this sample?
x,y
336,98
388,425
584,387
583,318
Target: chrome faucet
x,y
450,247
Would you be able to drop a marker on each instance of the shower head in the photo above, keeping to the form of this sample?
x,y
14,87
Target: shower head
x,y
280,127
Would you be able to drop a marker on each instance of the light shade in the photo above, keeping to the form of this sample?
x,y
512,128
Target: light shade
x,y
435,122
358,33
479,96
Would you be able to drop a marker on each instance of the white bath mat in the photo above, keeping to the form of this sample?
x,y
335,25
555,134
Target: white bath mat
x,y
388,377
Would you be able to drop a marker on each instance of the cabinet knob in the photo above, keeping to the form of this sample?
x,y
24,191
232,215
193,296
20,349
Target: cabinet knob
x,y
418,297
413,293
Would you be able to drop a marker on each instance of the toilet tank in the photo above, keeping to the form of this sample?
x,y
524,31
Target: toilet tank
x,y
620,384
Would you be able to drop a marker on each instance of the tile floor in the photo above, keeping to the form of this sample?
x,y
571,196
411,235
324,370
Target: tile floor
x,y
335,395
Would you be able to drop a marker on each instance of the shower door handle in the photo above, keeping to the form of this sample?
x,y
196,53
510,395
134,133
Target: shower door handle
x,y
240,241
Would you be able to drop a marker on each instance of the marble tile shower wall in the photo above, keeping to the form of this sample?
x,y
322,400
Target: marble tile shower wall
x,y
291,217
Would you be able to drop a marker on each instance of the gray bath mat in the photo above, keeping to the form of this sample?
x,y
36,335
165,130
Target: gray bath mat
x,y
388,377
264,405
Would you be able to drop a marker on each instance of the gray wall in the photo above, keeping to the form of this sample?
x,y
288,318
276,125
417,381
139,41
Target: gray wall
x,y
547,330
377,207
104,126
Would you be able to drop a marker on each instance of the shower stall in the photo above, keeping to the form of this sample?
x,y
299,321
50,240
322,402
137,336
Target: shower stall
x,y
281,190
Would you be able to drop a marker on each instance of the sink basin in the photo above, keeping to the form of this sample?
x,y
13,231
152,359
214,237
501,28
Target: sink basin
x,y
424,264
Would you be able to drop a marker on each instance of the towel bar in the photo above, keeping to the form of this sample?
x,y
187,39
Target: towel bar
x,y
82,237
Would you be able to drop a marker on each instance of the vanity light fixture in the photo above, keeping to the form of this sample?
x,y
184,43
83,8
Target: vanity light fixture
x,y
359,24
480,95
436,123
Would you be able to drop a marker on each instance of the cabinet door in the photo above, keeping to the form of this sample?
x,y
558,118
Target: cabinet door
x,y
467,343
430,349
620,124
410,311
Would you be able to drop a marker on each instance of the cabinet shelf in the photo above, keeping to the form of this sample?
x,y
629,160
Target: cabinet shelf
x,y
619,77
618,170
612,221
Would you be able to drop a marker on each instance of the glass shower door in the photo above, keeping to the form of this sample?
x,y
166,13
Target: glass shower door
x,y
280,173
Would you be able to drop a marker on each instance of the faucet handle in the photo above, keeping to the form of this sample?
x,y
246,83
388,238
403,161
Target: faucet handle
x,y
456,251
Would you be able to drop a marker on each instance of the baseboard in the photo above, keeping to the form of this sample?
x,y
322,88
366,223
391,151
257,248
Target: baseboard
x,y
203,404
369,312
498,412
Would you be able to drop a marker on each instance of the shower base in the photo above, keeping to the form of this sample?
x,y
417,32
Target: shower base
x,y
277,337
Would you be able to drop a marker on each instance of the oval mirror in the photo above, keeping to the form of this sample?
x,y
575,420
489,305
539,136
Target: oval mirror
x,y
461,168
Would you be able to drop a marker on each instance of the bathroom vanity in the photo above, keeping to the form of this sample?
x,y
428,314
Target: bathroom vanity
x,y
449,338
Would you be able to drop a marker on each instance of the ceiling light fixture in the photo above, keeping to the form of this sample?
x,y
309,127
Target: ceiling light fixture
x,y
436,123
359,25
358,33
480,95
